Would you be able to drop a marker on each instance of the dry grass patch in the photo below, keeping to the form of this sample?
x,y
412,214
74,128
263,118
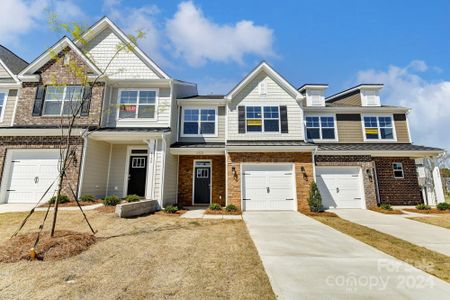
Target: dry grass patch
x,y
221,212
386,211
429,261
154,257
427,211
441,220
318,214
172,214
73,203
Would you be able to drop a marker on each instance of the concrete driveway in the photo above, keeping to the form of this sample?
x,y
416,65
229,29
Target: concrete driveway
x,y
305,259
429,236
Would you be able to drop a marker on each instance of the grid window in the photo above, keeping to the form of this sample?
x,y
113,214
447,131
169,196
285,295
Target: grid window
x,y
138,104
398,170
3,95
62,100
262,118
199,121
320,128
378,128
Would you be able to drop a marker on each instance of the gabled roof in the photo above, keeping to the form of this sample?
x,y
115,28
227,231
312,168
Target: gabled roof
x,y
105,22
353,90
47,56
11,62
264,67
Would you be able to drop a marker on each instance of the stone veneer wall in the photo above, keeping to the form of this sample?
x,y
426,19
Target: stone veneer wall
x,y
394,191
51,73
185,178
44,142
299,159
363,161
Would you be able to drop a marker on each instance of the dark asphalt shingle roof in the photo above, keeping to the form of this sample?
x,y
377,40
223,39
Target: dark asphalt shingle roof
x,y
269,143
200,97
134,129
374,147
197,145
14,63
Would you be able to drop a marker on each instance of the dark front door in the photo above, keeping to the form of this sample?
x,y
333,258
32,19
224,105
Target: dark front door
x,y
137,174
202,184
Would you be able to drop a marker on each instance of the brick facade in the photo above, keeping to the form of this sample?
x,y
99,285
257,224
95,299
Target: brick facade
x,y
303,183
394,191
363,161
45,142
54,72
185,178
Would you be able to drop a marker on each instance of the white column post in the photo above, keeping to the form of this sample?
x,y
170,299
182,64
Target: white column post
x,y
149,186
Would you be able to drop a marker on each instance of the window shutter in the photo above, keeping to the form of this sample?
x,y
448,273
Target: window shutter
x,y
39,101
241,114
284,119
86,100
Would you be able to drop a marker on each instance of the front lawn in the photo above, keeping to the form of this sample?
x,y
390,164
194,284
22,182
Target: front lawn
x,y
438,220
429,261
155,257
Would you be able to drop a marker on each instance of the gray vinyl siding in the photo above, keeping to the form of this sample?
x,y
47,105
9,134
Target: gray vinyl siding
x,y
162,114
220,129
276,95
96,163
117,170
4,73
8,114
170,178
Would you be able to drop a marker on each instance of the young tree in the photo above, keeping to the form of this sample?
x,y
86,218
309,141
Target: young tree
x,y
314,199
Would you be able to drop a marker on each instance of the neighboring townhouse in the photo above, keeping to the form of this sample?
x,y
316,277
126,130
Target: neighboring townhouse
x,y
261,146
128,111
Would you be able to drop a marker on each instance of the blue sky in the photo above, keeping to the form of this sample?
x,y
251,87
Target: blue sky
x,y
403,44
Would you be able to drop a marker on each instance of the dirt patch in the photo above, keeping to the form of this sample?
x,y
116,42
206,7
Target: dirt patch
x,y
427,211
222,212
175,214
387,212
73,204
106,209
63,245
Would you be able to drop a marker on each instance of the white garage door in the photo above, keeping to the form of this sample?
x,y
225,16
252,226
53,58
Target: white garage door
x,y
340,187
29,174
268,187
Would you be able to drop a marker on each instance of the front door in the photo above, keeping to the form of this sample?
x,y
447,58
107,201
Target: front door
x,y
202,183
137,174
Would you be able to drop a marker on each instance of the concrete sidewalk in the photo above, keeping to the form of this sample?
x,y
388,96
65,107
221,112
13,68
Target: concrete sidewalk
x,y
429,236
305,259
25,207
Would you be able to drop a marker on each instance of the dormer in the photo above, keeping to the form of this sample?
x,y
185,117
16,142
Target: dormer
x,y
370,95
314,94
365,95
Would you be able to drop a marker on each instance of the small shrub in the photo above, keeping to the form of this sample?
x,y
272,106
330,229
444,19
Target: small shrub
x,y
61,199
112,200
170,209
231,208
443,206
215,206
132,198
314,199
87,198
423,207
386,206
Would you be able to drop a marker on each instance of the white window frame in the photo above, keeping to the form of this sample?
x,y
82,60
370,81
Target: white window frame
x,y
3,107
63,100
199,108
394,170
320,128
394,131
262,119
262,88
119,92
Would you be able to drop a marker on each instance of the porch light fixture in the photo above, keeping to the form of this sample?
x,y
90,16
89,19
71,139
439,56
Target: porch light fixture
x,y
302,169
369,174
233,171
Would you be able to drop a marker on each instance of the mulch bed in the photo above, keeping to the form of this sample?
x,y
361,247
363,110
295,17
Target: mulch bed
x,y
73,203
221,212
64,244
175,214
387,212
318,214
428,211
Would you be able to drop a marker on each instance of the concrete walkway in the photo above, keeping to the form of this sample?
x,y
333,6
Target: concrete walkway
x,y
25,207
429,236
305,259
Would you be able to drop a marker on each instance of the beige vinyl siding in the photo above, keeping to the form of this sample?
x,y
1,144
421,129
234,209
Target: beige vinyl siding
x,y
276,95
117,170
126,65
8,108
96,164
220,129
4,73
351,100
350,131
401,129
162,114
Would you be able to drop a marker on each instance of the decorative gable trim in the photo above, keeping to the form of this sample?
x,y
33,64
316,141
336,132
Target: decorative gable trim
x,y
28,73
11,74
106,22
264,67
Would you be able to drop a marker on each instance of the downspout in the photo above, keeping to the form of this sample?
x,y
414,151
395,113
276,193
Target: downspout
x,y
375,179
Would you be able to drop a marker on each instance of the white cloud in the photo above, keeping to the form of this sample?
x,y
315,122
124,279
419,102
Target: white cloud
x,y
68,11
19,17
429,100
198,39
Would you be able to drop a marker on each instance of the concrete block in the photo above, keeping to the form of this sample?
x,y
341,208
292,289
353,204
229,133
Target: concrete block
x,y
134,209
